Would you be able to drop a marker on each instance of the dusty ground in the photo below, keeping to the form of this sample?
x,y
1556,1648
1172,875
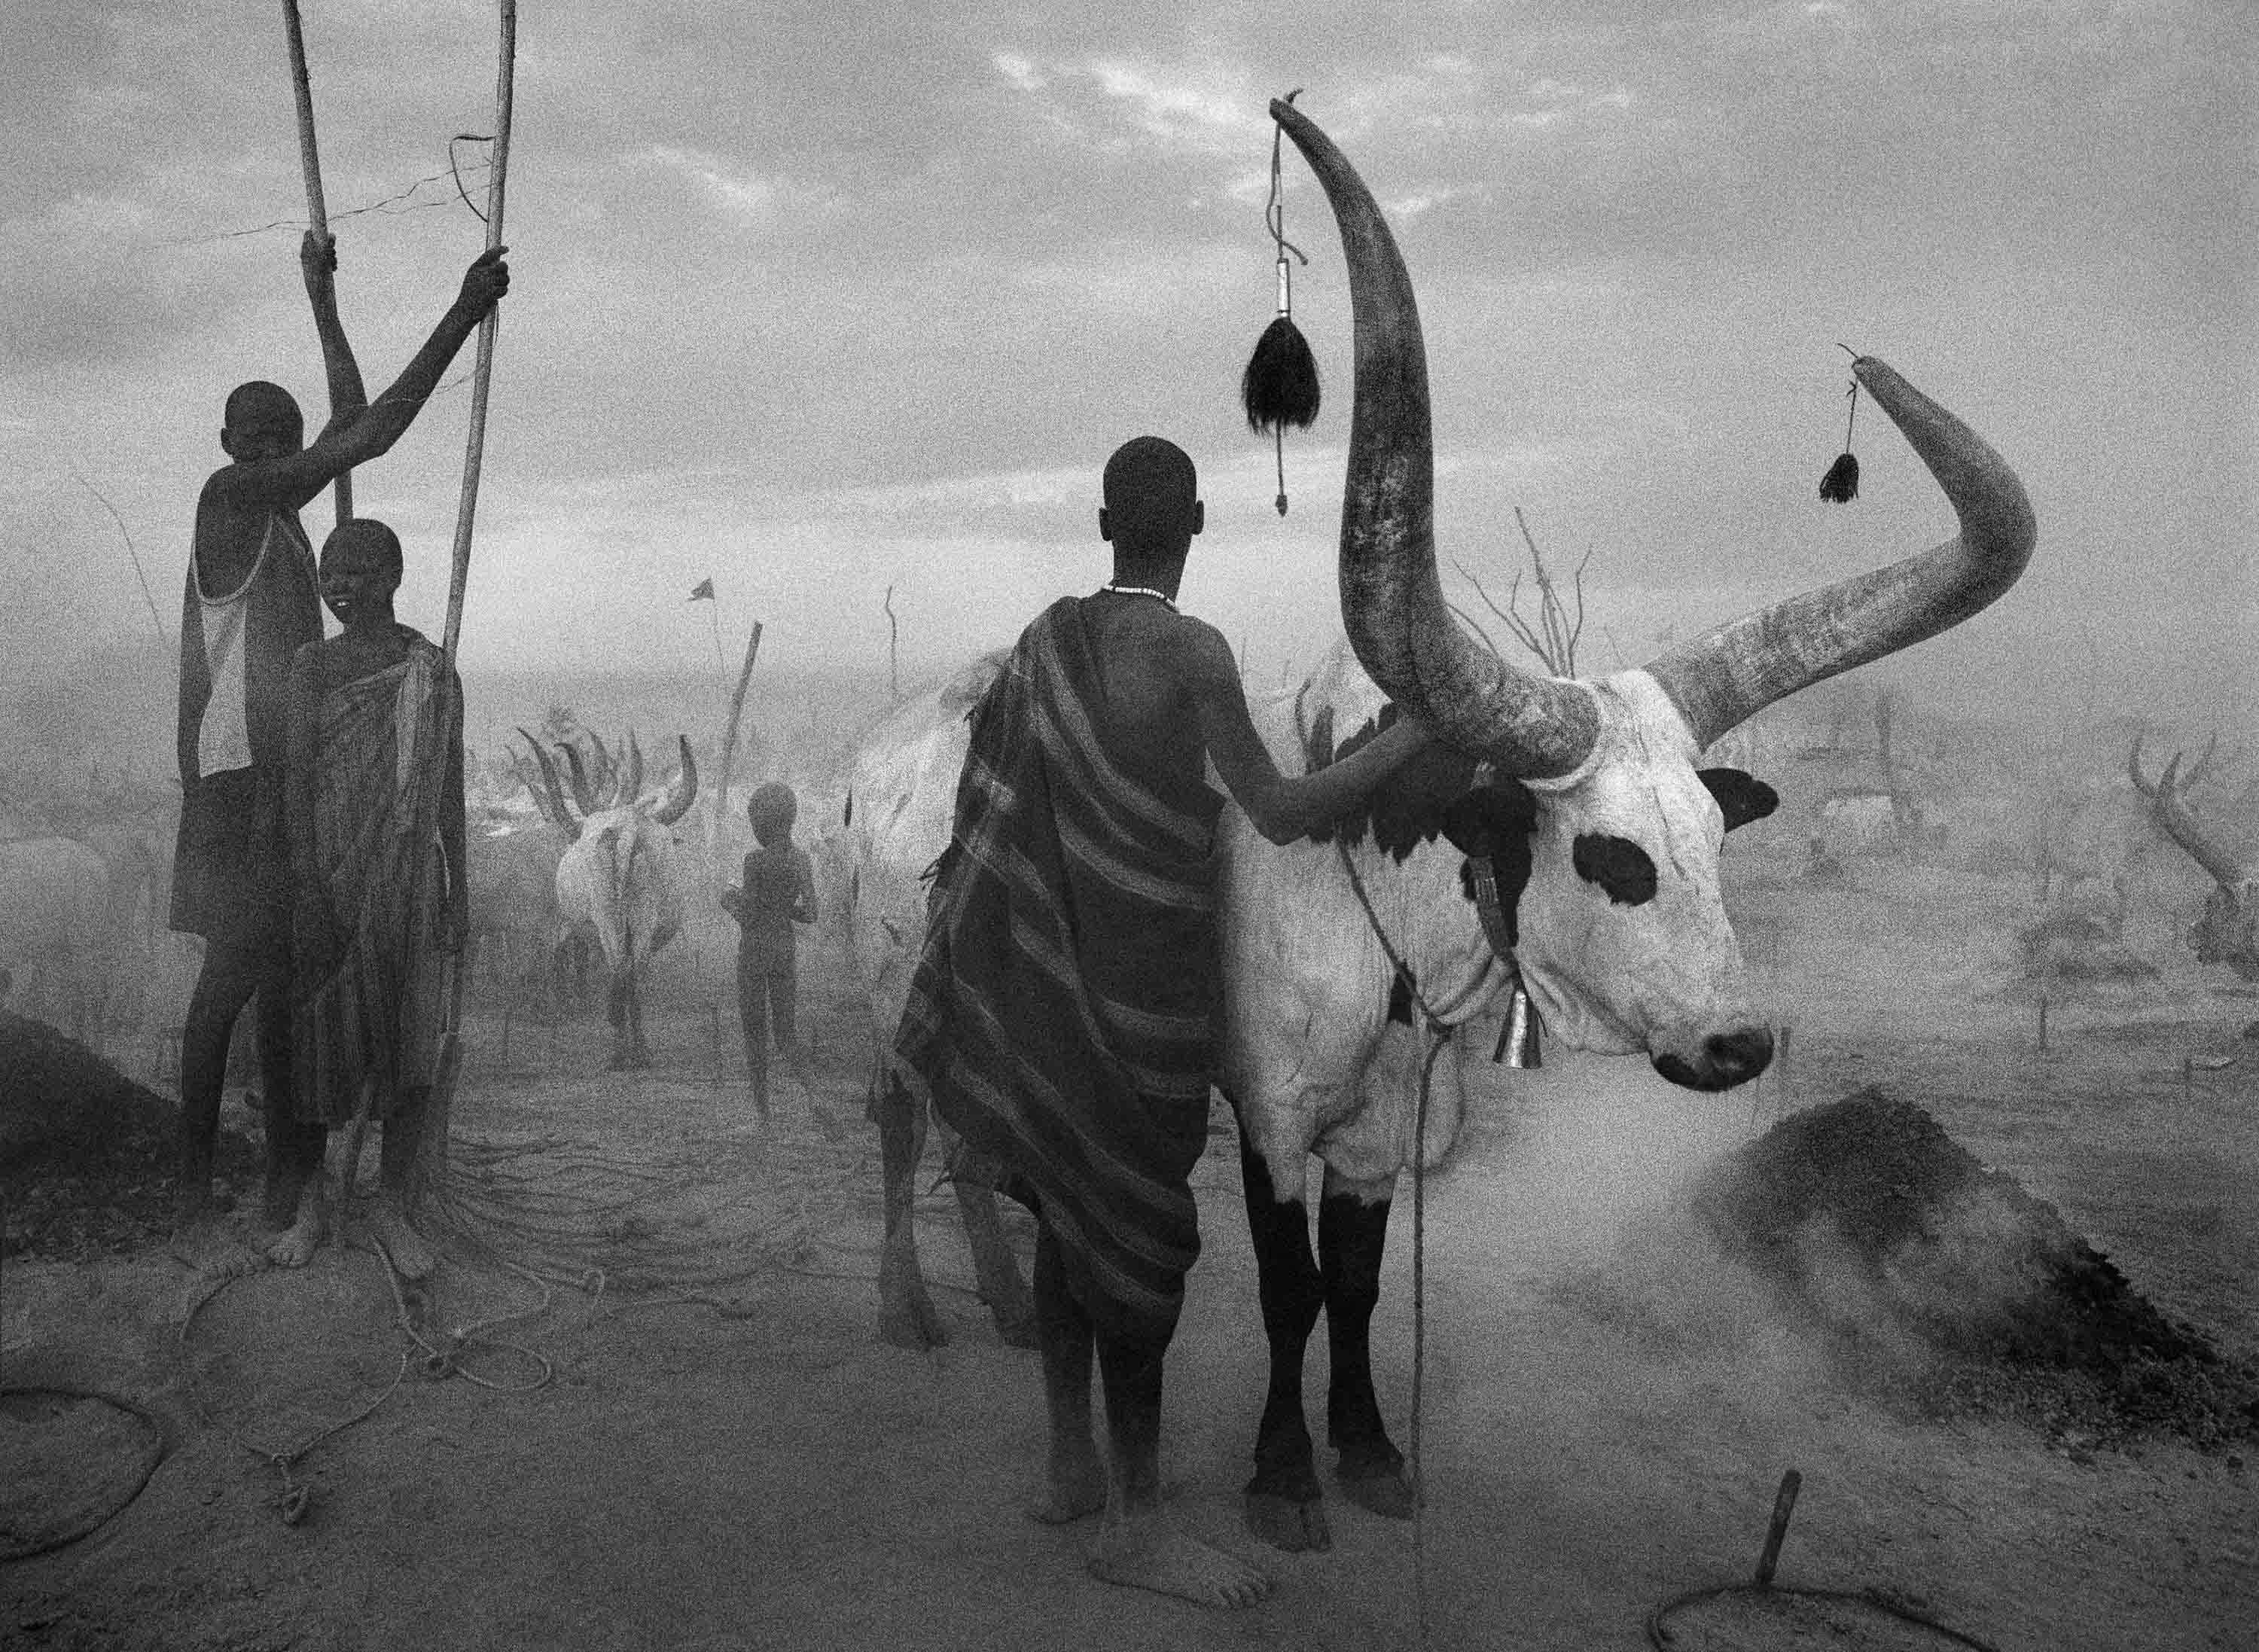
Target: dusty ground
x,y
1607,1405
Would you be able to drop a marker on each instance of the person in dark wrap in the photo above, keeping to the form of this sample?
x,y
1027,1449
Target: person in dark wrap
x,y
250,604
1062,1020
376,831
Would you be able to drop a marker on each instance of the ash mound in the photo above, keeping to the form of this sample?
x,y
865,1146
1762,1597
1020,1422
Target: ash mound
x,y
1951,1286
86,1154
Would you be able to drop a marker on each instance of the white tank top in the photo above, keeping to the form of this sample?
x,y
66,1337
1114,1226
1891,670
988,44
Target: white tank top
x,y
223,734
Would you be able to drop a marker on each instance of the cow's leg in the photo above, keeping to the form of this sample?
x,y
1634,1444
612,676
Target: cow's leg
x,y
1286,1507
1352,1234
906,1312
638,1052
995,1270
616,1014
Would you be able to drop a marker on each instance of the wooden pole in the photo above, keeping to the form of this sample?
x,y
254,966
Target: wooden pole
x,y
432,1152
317,216
729,753
893,657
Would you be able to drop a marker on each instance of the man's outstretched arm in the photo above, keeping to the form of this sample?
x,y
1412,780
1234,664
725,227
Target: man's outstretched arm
x,y
1283,808
317,259
294,479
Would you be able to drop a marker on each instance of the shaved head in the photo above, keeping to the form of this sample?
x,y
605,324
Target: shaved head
x,y
366,543
260,405
1152,492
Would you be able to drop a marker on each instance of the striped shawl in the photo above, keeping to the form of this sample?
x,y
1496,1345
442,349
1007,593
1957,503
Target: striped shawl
x,y
376,1015
1061,1020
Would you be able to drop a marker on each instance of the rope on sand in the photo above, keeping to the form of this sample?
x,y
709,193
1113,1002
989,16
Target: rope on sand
x,y
293,1498
152,1456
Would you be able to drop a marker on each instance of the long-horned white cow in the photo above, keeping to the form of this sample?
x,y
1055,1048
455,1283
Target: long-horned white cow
x,y
2228,931
619,879
1348,961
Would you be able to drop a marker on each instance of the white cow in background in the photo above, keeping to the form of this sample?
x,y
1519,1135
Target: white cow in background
x,y
620,880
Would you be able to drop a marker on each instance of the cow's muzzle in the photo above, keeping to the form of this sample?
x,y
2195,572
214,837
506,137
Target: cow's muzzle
x,y
1723,1060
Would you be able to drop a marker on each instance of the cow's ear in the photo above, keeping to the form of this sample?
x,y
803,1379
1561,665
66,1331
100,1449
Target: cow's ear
x,y
1743,797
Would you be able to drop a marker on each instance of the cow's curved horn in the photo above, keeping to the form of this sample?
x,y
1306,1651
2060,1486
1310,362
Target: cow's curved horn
x,y
562,817
1731,671
583,794
1392,600
605,780
681,790
633,788
2175,821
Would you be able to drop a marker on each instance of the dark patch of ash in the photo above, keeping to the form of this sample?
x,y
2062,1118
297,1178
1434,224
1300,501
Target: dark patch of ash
x,y
1949,1285
86,1154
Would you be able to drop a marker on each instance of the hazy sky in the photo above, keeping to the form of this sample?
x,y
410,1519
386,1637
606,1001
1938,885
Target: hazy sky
x,y
814,300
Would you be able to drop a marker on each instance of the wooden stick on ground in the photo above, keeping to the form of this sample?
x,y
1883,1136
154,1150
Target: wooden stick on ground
x,y
317,215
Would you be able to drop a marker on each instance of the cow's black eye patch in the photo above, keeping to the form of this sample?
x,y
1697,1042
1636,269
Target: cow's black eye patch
x,y
1618,866
1742,798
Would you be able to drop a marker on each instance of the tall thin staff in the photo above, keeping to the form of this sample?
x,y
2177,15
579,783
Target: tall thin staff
x,y
432,1153
317,217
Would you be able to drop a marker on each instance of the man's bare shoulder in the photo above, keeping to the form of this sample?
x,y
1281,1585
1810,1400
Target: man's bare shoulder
x,y
257,485
1194,651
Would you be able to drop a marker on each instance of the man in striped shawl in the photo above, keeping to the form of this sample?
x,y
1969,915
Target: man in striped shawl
x,y
377,848
1062,1018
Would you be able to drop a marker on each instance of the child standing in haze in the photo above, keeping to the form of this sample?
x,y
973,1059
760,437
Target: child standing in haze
x,y
778,892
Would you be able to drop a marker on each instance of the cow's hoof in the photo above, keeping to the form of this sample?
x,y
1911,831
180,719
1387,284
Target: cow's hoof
x,y
1291,1524
1381,1487
1018,1330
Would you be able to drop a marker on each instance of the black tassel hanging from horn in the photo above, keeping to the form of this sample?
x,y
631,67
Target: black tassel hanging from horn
x,y
1841,485
1280,385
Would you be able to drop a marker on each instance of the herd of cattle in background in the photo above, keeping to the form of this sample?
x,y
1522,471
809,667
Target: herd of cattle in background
x,y
2142,841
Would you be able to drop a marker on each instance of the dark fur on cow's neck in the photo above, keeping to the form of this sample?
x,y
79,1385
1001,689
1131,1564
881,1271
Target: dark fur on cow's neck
x,y
1406,809
1434,794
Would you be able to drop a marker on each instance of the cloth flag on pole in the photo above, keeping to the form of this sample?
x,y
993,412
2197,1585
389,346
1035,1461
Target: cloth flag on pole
x,y
703,591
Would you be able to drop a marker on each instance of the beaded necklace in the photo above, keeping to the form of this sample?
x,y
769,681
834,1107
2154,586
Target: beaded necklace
x,y
1162,597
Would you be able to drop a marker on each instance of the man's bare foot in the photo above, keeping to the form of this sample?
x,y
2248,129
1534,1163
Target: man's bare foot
x,y
1142,1551
295,1248
1077,1487
200,1242
411,1257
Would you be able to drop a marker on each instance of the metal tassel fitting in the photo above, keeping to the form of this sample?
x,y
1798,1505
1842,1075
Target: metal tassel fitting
x,y
1518,1042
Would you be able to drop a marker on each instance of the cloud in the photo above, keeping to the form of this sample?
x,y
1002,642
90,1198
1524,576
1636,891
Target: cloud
x,y
1210,109
739,194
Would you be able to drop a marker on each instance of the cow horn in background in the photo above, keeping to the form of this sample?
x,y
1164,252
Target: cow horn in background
x,y
606,780
2175,821
1731,671
559,815
1392,600
633,788
582,796
681,790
